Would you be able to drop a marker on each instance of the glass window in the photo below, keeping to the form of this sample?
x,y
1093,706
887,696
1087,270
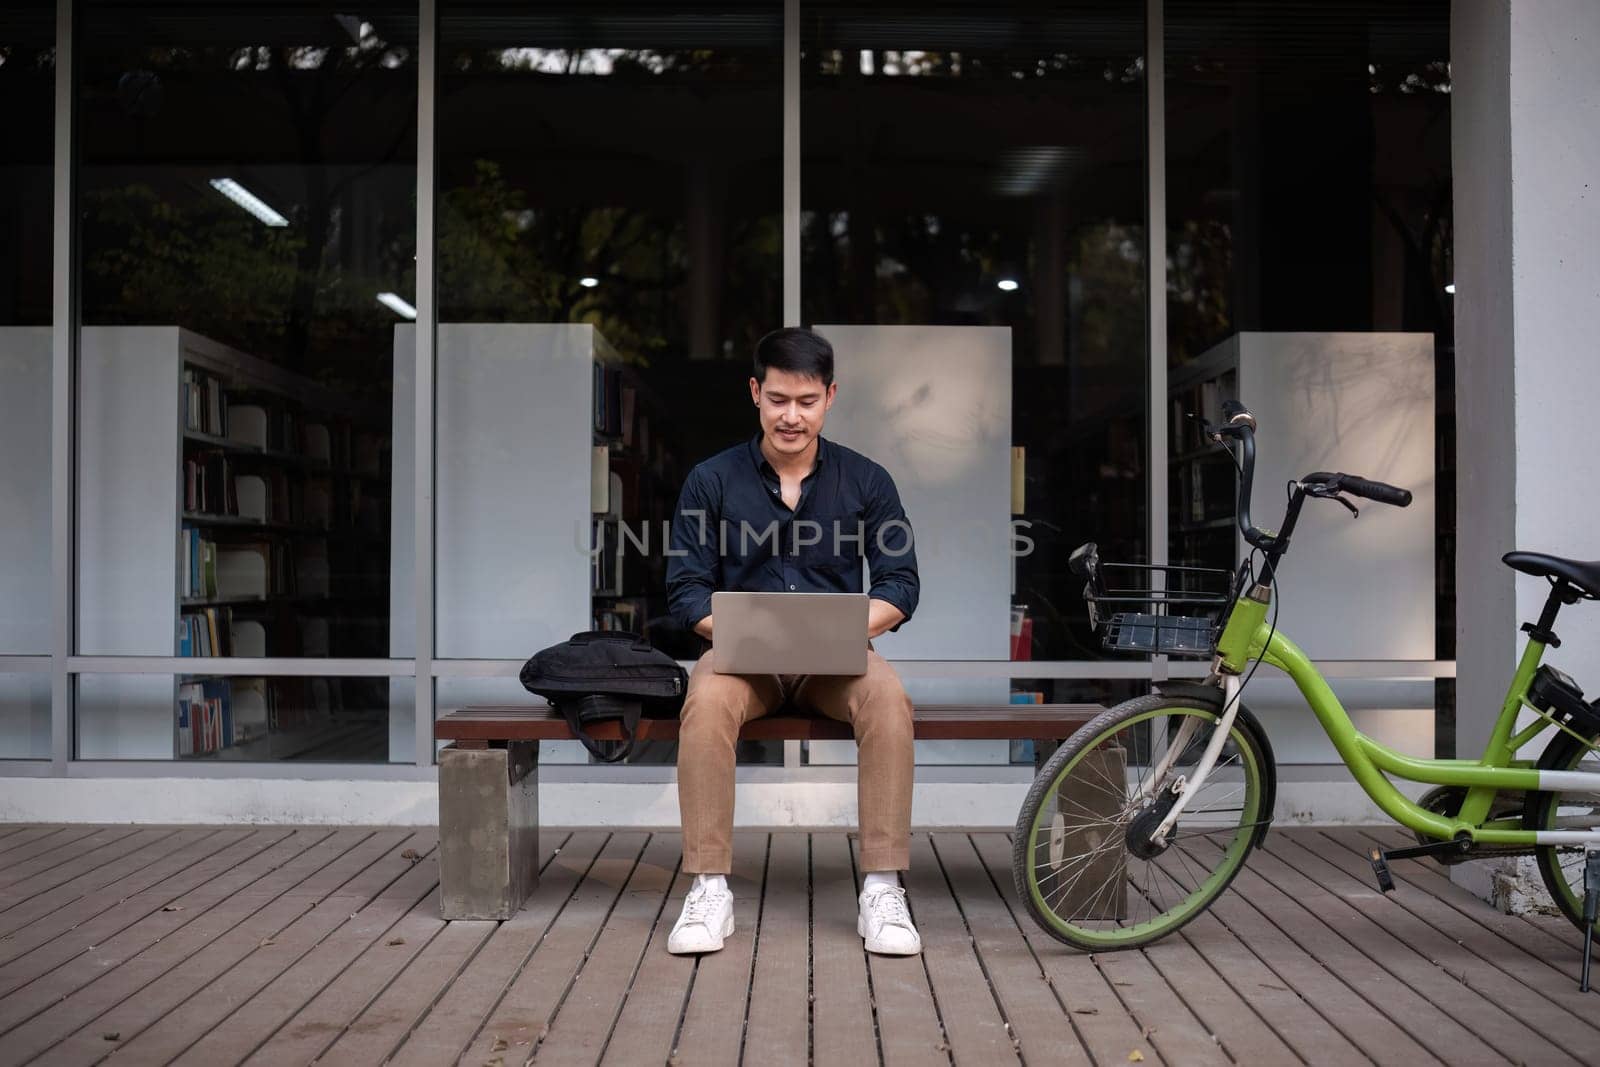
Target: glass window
x,y
222,717
609,251
1309,273
27,99
247,194
977,171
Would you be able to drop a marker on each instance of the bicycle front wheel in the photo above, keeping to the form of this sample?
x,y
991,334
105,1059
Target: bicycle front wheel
x,y
1083,859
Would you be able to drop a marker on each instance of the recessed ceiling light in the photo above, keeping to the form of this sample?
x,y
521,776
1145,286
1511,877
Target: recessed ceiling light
x,y
396,304
1007,284
248,200
588,282
1450,287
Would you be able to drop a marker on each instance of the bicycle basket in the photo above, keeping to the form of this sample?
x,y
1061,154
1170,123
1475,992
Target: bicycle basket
x,y
1150,608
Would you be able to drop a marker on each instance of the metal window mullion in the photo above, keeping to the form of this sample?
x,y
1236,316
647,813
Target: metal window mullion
x,y
423,376
63,364
1156,288
791,206
251,666
791,162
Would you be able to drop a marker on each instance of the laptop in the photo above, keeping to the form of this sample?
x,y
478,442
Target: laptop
x,y
789,633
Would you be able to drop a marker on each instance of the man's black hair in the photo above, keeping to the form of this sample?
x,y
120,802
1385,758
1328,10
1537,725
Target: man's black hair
x,y
797,350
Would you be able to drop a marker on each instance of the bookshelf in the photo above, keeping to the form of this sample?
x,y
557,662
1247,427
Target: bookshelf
x,y
229,508
635,477
1200,476
1351,589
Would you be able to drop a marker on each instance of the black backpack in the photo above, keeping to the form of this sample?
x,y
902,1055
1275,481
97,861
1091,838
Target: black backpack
x,y
602,675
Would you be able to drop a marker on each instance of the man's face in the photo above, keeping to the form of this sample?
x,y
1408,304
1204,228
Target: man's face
x,y
792,408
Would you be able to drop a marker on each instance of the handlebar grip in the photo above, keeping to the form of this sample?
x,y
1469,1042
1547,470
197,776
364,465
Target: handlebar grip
x,y
1382,492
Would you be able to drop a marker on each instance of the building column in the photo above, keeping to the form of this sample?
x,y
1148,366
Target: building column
x,y
1525,129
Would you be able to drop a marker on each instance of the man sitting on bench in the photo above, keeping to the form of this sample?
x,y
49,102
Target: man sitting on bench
x,y
831,508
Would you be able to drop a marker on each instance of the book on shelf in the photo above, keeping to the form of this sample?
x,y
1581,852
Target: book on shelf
x,y
1021,633
209,483
197,574
605,562
204,717
625,615
607,400
205,631
201,399
600,501
626,406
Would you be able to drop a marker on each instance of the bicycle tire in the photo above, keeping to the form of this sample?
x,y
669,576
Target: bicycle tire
x,y
1255,813
1563,753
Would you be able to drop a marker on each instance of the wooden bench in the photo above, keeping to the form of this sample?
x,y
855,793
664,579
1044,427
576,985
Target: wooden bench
x,y
489,780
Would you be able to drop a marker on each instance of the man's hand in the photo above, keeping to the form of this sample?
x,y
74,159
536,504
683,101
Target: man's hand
x,y
882,617
703,627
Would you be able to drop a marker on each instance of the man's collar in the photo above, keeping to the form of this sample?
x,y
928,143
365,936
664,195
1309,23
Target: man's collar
x,y
764,467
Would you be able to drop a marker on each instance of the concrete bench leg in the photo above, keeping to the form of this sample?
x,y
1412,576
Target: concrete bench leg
x,y
488,829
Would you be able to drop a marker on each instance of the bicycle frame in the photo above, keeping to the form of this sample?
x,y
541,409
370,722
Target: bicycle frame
x,y
1246,637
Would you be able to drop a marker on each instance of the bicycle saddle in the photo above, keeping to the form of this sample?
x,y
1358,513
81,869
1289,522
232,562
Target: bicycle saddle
x,y
1584,575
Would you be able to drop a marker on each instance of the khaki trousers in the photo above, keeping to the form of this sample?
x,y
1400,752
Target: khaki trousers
x,y
876,706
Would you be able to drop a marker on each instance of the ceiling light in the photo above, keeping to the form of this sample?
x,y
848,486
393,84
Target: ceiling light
x,y
1007,285
395,304
588,281
248,200
1450,288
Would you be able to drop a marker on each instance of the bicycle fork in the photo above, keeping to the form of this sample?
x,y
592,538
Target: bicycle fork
x,y
1219,737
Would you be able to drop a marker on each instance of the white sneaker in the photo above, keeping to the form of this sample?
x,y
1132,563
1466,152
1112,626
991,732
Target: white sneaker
x,y
707,919
886,924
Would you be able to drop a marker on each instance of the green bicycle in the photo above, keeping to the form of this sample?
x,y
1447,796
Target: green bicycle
x,y
1140,821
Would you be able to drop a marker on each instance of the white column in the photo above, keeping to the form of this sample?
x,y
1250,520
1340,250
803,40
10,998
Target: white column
x,y
1525,126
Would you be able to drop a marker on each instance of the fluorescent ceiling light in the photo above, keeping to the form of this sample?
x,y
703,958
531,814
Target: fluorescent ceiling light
x,y
1007,284
248,200
395,304
1450,288
588,282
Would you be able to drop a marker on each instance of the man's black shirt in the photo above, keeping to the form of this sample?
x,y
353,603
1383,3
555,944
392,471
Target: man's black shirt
x,y
732,531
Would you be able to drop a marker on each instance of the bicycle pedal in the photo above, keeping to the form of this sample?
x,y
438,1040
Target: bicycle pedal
x,y
1380,868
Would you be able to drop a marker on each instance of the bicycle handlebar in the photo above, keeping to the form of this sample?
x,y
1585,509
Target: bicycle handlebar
x,y
1355,485
1241,425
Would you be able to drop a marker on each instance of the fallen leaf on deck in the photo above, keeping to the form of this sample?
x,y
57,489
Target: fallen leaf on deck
x,y
397,941
265,941
410,854
114,1035
173,907
1135,1056
500,1045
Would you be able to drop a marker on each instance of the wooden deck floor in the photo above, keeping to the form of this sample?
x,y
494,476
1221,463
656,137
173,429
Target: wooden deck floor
x,y
205,946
